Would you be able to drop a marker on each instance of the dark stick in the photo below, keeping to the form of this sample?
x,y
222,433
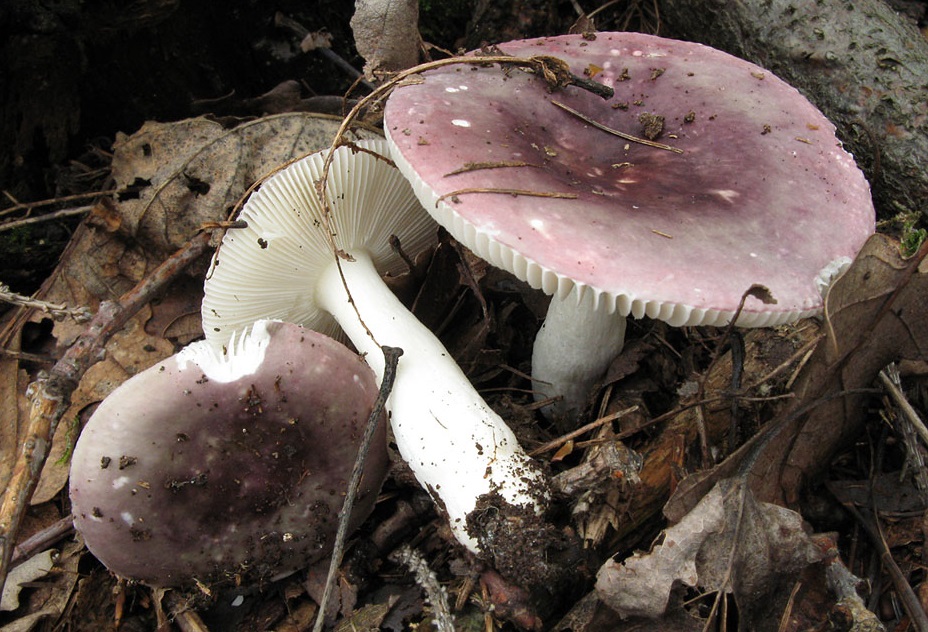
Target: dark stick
x,y
391,357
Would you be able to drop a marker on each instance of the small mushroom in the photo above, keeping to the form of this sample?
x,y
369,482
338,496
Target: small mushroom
x,y
283,266
733,179
224,467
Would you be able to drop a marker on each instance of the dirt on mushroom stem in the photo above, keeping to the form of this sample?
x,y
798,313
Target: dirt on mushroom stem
x,y
530,551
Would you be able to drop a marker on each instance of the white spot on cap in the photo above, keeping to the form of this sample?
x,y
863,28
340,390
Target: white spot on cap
x,y
127,518
452,89
460,122
727,194
119,483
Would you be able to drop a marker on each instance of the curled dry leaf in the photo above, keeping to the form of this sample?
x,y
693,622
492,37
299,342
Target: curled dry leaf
x,y
386,34
728,543
32,569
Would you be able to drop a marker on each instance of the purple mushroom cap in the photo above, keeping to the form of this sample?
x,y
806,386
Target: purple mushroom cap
x,y
762,193
232,467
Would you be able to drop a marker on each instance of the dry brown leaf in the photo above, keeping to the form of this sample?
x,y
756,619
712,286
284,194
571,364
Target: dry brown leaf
x,y
32,569
13,382
728,543
386,34
877,313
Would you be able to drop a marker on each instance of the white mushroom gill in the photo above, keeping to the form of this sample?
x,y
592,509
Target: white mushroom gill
x,y
243,355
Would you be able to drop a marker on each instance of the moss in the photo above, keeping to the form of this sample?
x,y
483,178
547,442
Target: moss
x,y
909,228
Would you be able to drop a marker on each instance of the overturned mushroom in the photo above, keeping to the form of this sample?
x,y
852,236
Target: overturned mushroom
x,y
283,265
703,176
219,467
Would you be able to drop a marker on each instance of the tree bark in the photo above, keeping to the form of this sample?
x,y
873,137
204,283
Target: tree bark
x,y
860,62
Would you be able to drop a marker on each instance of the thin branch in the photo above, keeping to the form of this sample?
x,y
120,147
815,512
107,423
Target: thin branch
x,y
898,397
615,132
514,192
58,311
47,217
435,593
28,206
391,359
499,164
593,425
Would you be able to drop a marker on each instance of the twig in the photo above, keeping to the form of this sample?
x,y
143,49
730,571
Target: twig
x,y
58,311
908,424
51,395
28,206
596,423
47,217
434,592
757,291
42,540
615,132
513,192
391,359
184,618
900,400
295,27
910,601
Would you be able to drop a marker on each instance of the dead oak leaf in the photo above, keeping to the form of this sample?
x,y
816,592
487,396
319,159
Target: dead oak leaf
x,y
728,543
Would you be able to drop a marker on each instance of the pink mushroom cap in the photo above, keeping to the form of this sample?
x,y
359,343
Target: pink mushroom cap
x,y
227,470
762,193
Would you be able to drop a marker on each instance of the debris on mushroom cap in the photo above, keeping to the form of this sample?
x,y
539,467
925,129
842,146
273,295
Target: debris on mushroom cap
x,y
762,193
267,269
221,468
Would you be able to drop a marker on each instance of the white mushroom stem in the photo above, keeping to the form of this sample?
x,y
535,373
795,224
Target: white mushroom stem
x,y
458,448
573,349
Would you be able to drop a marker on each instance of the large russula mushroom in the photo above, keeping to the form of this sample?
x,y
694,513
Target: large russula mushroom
x,y
221,467
283,266
757,190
